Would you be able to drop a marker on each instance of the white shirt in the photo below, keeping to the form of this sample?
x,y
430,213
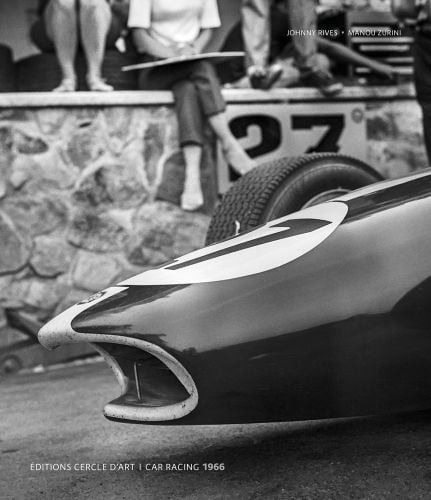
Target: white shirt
x,y
174,21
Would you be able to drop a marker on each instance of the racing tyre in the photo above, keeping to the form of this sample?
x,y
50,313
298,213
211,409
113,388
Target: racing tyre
x,y
283,186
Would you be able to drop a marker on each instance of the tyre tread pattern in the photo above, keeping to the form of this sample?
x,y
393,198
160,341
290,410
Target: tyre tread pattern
x,y
246,200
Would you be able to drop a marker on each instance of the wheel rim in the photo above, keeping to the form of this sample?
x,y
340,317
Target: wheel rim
x,y
326,196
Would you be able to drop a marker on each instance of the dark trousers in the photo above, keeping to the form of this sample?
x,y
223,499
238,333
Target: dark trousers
x,y
426,121
196,91
422,80
257,31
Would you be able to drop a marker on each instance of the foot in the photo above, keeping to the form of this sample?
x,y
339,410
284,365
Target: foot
x,y
238,159
274,73
386,71
256,75
323,80
66,85
264,78
97,84
192,200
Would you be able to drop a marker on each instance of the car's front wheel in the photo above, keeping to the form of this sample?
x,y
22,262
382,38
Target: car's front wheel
x,y
284,186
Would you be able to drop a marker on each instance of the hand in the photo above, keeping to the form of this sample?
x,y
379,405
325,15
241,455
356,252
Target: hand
x,y
186,50
171,52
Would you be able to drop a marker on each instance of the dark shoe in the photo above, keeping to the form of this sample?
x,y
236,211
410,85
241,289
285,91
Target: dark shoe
x,y
264,78
273,74
323,80
257,76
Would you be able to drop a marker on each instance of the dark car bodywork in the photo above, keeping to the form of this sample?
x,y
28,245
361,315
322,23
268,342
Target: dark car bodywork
x,y
320,314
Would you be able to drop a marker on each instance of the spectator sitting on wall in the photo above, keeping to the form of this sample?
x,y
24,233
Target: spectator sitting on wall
x,y
167,28
66,24
303,21
281,54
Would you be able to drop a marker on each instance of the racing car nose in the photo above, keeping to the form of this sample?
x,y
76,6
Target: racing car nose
x,y
56,331
155,386
59,330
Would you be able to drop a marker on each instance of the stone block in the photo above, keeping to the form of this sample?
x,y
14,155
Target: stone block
x,y
14,247
53,172
381,126
16,292
51,256
51,120
112,184
3,319
146,257
22,170
3,188
394,131
95,272
190,233
36,213
43,294
13,114
87,142
6,150
6,141
165,229
5,284
97,232
125,124
28,144
35,293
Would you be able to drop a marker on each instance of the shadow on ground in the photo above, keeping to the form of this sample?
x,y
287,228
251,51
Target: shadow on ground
x,y
55,418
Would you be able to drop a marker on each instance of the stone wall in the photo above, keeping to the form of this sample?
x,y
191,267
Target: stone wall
x,y
394,137
88,197
89,193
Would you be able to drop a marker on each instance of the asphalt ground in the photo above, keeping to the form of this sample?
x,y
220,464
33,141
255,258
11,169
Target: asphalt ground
x,y
55,418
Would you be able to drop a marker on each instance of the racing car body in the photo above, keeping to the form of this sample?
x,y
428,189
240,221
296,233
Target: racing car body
x,y
323,313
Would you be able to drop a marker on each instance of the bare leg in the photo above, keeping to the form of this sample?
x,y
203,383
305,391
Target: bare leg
x,y
61,25
192,197
95,20
232,150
